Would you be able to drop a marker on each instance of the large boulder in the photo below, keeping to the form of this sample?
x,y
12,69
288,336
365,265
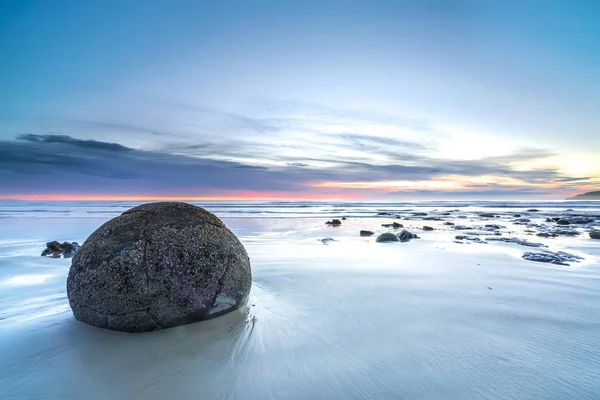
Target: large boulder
x,y
157,266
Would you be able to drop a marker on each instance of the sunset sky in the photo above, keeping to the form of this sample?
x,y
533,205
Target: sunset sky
x,y
374,100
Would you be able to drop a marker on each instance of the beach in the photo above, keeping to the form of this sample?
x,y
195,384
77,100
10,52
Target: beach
x,y
348,318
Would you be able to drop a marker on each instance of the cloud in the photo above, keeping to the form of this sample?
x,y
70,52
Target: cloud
x,y
69,141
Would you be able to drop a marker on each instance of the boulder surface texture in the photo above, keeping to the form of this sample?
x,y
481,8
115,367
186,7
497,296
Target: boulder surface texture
x,y
156,266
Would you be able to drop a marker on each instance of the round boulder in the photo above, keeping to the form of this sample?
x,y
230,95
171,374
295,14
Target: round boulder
x,y
157,266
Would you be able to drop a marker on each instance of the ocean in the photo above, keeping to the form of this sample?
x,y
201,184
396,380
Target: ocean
x,y
348,318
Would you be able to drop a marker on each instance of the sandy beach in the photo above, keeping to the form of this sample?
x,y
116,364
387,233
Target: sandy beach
x,y
345,319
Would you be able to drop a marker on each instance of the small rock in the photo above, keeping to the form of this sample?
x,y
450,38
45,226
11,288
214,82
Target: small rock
x,y
387,237
449,223
494,226
327,240
517,215
487,215
567,232
559,258
427,228
343,218
533,210
419,214
405,236
334,222
521,221
462,227
367,233
563,222
394,225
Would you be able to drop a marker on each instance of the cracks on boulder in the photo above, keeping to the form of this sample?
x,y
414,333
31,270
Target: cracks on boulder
x,y
221,282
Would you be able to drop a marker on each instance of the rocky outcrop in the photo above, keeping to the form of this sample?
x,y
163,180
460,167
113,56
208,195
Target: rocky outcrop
x,y
55,249
157,266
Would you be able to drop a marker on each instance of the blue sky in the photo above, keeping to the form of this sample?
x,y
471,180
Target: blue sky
x,y
371,99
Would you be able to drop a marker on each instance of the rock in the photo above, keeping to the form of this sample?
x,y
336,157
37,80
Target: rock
x,y
405,236
546,234
69,249
419,214
531,244
563,222
577,220
157,266
533,210
327,240
560,257
334,222
394,225
521,221
566,232
494,226
504,239
449,223
462,227
595,234
384,213
387,237
487,215
427,228
517,215
432,219
367,233
56,250
469,238
343,218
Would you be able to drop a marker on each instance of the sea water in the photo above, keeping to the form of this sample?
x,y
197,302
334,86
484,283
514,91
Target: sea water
x,y
349,319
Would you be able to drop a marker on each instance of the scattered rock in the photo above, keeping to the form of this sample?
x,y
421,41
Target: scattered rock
x,y
559,258
157,266
504,239
469,238
575,221
55,250
387,237
547,234
367,233
462,227
566,232
334,222
405,236
495,226
531,244
394,225
427,228
595,234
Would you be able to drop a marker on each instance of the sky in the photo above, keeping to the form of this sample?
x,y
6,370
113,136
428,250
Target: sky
x,y
313,100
